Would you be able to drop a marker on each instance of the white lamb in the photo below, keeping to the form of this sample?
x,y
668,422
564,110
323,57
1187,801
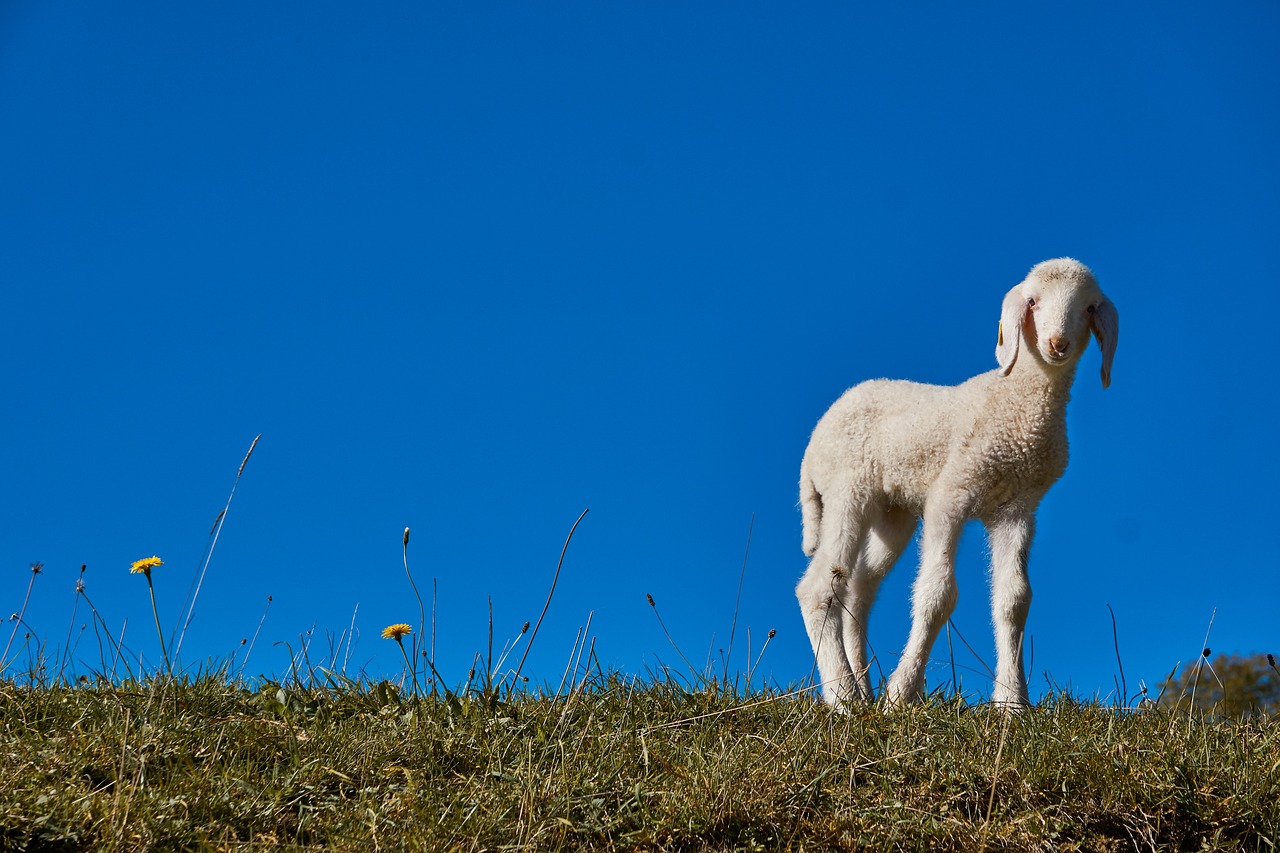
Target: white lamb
x,y
890,452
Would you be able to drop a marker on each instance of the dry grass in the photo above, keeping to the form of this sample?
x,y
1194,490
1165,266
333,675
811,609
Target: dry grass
x,y
618,765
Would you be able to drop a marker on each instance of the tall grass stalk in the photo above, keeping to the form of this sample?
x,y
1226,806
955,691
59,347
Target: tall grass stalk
x,y
700,677
351,633
214,533
554,579
418,640
256,631
737,601
75,605
1115,637
16,618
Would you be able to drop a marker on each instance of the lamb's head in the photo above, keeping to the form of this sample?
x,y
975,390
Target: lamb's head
x,y
1053,311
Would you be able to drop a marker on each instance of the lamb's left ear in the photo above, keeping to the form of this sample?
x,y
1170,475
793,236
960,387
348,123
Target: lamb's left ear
x,y
1106,328
1012,315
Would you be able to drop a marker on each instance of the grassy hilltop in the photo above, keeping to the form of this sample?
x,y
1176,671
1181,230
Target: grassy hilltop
x,y
614,764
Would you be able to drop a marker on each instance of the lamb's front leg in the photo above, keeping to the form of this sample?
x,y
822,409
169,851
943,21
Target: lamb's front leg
x,y
1010,539
933,597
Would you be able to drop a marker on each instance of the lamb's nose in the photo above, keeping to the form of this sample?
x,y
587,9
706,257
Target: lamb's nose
x,y
1059,345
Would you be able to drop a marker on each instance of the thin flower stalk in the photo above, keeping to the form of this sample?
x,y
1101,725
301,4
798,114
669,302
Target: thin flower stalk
x,y
144,567
397,632
422,613
16,618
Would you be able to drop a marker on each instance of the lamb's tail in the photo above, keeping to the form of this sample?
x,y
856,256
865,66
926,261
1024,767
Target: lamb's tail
x,y
810,512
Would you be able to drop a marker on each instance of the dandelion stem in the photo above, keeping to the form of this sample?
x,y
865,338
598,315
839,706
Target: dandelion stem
x,y
410,667
156,613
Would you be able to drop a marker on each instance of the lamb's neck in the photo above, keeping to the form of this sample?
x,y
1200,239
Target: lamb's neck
x,y
1042,387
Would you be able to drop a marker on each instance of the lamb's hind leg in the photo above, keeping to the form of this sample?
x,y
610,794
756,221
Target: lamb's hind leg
x,y
887,537
821,593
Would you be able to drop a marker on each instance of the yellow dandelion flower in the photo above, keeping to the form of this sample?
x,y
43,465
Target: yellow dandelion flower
x,y
396,631
144,567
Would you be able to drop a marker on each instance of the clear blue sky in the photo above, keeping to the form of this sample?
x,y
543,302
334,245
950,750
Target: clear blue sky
x,y
474,268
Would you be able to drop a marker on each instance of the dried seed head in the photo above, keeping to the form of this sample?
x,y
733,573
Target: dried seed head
x,y
773,632
837,572
649,598
36,567
1271,660
79,584
406,536
525,628
1206,653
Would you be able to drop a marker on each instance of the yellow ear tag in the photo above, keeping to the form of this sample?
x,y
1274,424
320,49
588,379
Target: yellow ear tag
x,y
1000,334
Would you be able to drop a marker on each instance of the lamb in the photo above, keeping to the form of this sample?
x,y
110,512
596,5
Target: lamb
x,y
889,453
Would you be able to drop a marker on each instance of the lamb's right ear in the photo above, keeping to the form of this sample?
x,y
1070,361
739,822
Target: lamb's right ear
x,y
1012,315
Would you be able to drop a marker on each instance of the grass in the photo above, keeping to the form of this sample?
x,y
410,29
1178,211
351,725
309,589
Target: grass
x,y
616,764
134,758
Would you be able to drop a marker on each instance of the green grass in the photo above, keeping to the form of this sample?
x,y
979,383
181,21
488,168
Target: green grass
x,y
621,764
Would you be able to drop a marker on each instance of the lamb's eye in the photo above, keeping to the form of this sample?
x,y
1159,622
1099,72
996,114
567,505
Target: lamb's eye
x,y
1092,308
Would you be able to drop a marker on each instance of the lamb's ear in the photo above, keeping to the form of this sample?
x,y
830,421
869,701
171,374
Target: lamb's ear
x,y
1106,328
1012,315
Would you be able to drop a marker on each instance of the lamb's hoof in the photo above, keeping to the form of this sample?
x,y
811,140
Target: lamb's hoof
x,y
897,695
1008,705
